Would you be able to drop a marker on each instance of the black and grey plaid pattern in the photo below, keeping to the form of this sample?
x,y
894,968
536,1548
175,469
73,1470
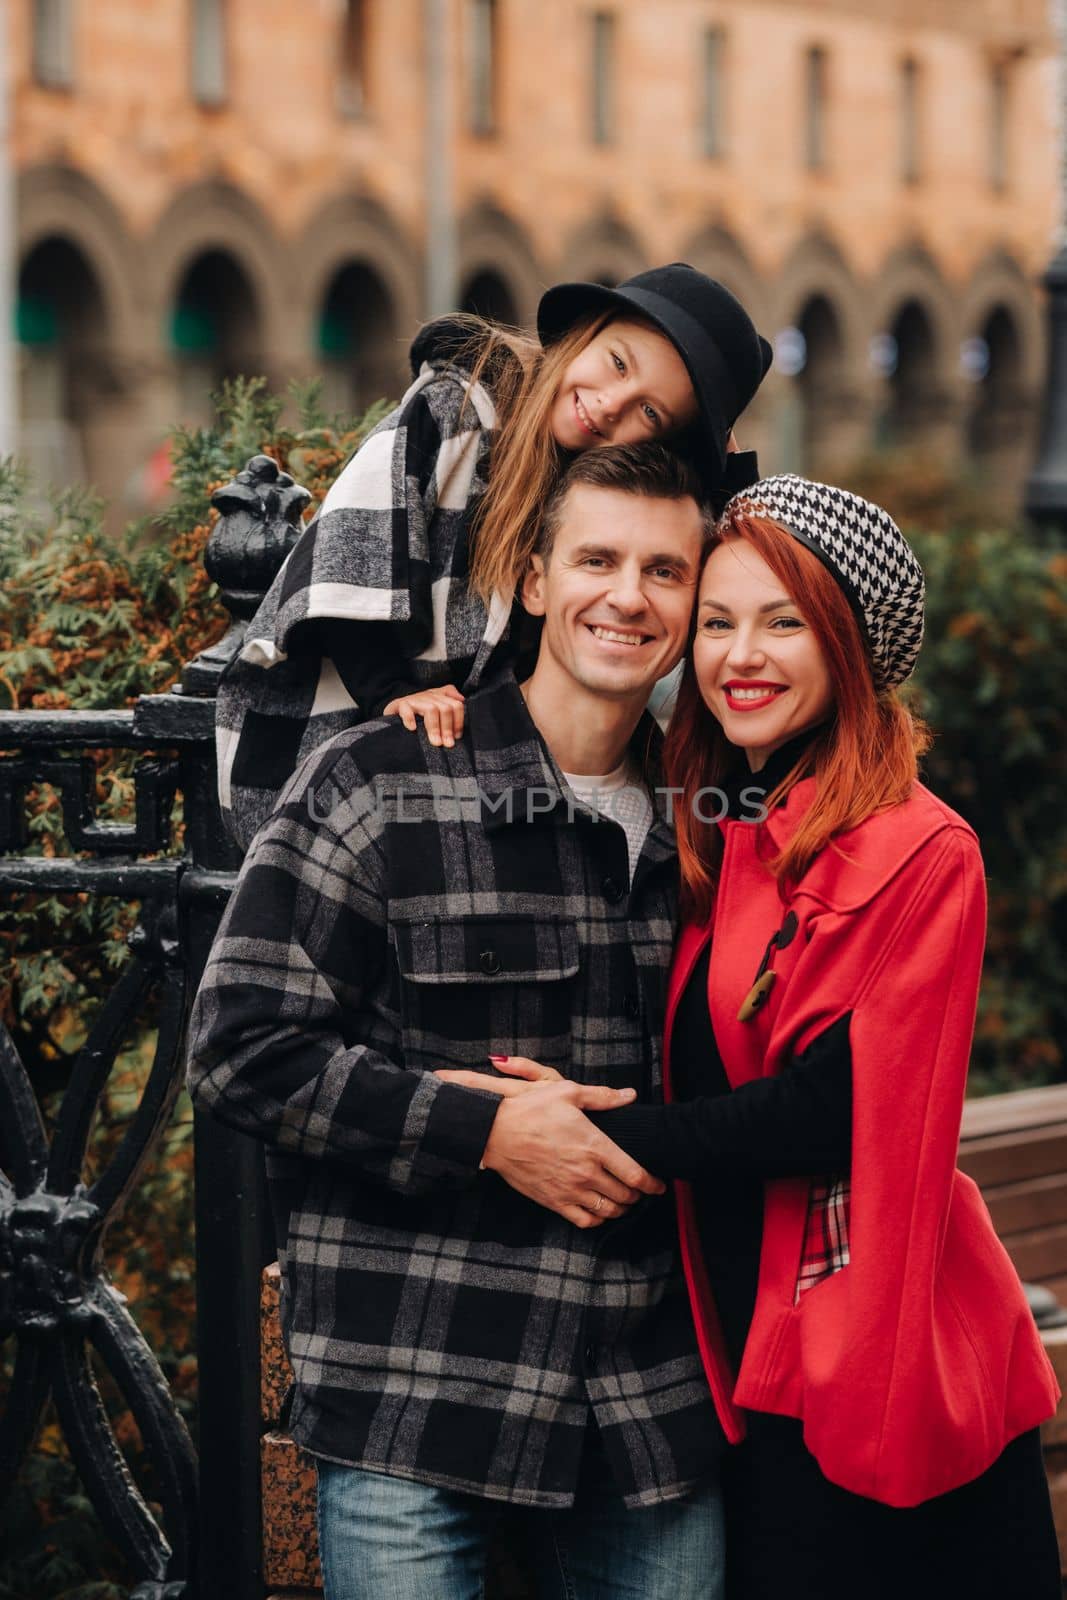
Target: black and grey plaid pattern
x,y
390,919
388,548
867,553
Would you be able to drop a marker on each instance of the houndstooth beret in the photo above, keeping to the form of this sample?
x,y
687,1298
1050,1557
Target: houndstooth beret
x,y
866,552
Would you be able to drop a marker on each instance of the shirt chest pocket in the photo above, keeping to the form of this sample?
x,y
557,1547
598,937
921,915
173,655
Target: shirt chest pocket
x,y
474,985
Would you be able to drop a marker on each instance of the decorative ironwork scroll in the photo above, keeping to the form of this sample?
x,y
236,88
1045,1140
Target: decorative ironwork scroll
x,y
56,1300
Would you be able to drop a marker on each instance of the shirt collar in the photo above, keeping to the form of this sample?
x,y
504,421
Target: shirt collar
x,y
510,758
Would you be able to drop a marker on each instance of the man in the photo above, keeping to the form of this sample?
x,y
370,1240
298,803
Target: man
x,y
482,1298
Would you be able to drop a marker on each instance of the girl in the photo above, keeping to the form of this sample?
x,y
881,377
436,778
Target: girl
x,y
864,1333
385,603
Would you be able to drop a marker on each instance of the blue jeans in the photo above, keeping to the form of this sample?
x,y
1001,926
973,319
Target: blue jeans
x,y
385,1538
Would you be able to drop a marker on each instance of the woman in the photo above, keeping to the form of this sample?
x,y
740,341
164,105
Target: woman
x,y
863,1331
383,604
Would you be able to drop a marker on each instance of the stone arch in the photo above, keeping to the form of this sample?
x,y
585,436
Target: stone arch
x,y
912,372
816,270
57,202
603,250
1000,309
716,251
824,411
80,354
914,347
353,235
493,247
999,280
215,217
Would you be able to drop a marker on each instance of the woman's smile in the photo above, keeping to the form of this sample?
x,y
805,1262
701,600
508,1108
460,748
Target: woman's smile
x,y
751,696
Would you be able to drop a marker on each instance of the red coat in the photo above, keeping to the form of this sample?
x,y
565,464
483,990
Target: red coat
x,y
914,1365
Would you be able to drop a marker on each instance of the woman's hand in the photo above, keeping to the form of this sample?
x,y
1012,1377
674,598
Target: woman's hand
x,y
440,709
523,1067
482,1080
525,1072
543,1145
548,1150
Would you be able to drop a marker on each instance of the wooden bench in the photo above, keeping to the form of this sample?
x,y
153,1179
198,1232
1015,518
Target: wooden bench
x,y
1015,1148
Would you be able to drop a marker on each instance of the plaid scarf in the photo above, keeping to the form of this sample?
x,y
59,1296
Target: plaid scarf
x,y
388,550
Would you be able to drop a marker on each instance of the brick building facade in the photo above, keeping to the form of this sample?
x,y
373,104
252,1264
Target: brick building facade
x,y
208,186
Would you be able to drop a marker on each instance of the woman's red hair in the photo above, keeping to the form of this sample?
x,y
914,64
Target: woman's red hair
x,y
864,759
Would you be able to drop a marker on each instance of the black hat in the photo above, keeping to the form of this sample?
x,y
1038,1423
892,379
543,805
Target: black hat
x,y
725,357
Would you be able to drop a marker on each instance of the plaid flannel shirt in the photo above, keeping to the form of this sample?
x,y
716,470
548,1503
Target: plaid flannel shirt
x,y
408,908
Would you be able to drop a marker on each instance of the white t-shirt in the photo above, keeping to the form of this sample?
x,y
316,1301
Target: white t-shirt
x,y
621,796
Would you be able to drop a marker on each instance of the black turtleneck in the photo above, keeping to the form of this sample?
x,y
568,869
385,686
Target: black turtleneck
x,y
727,1142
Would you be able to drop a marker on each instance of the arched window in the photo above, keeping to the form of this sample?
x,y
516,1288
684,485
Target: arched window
x,y
215,330
999,415
911,367
820,381
487,294
358,350
62,332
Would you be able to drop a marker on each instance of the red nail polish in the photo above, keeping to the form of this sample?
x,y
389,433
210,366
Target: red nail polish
x,y
499,1058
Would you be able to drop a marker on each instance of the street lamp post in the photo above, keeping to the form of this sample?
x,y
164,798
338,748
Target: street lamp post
x,y
1046,487
8,420
439,160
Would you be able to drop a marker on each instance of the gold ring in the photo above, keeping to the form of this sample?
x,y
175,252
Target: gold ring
x,y
598,1202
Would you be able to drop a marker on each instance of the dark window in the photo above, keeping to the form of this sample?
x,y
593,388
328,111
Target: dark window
x,y
483,66
999,118
815,109
208,60
910,162
352,79
53,43
714,128
603,77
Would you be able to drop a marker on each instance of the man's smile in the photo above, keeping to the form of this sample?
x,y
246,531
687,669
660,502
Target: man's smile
x,y
617,635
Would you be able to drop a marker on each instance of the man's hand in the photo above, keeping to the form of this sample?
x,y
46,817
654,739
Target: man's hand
x,y
542,1145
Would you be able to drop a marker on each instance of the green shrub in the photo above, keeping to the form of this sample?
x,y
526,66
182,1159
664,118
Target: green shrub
x,y
994,688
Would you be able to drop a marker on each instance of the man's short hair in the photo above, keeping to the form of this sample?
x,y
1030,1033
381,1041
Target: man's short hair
x,y
651,470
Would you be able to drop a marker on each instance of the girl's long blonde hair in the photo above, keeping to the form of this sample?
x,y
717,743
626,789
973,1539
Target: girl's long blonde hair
x,y
525,462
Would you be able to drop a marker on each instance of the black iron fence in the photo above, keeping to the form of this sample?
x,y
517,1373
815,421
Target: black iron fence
x,y
57,1303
